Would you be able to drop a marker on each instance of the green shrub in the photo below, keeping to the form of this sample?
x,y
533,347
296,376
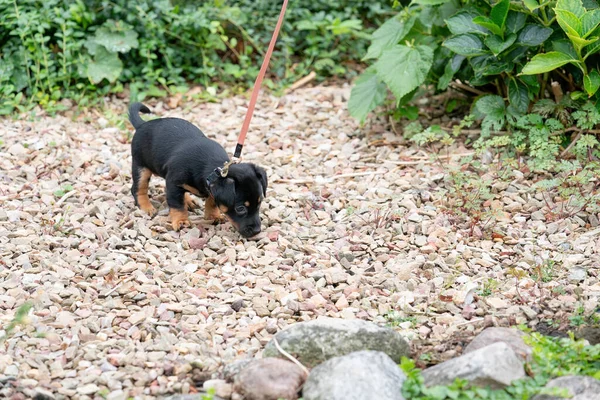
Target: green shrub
x,y
520,57
552,357
83,49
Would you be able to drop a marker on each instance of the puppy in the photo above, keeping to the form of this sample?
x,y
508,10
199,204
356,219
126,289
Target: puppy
x,y
179,152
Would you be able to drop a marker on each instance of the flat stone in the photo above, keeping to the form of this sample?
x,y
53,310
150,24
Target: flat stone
x,y
510,336
496,366
579,387
316,341
269,379
90,388
356,376
577,274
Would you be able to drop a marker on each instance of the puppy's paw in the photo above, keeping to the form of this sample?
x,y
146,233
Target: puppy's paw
x,y
214,215
148,209
189,202
218,220
179,219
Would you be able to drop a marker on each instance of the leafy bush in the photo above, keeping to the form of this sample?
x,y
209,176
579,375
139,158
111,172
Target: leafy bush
x,y
518,57
51,50
552,357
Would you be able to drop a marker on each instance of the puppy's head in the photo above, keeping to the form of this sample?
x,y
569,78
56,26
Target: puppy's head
x,y
240,195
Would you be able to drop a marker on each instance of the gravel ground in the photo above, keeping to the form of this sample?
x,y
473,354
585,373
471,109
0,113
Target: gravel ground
x,y
353,228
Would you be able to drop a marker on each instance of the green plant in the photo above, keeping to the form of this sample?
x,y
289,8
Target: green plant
x,y
544,272
20,318
467,193
581,26
488,287
210,394
394,319
502,52
85,49
572,189
67,187
552,357
578,317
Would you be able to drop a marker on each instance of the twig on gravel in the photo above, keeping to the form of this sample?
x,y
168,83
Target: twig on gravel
x,y
289,356
473,321
355,174
118,285
428,160
65,197
310,181
301,82
293,181
570,146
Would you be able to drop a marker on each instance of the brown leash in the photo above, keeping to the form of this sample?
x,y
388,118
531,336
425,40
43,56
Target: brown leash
x,y
263,69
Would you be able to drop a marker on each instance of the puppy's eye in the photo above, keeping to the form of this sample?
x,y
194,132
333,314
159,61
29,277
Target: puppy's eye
x,y
241,210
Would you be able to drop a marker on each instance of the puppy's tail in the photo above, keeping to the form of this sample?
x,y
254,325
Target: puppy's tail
x,y
134,114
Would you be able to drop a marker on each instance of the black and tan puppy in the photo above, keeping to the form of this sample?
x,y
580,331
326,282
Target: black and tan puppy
x,y
178,151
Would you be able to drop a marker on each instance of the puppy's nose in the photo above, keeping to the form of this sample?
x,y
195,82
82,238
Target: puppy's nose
x,y
251,230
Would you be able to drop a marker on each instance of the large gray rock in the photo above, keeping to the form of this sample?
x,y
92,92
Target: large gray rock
x,y
496,366
269,379
510,336
357,376
319,340
580,387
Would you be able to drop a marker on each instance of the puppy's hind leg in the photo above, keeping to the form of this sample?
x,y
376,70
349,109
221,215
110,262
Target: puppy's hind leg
x,y
177,206
139,189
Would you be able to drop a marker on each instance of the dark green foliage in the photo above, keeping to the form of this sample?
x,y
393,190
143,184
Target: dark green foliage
x,y
82,49
552,357
518,56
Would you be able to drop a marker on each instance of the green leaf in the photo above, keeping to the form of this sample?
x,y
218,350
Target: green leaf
x,y
518,95
409,112
404,68
344,27
492,106
564,46
105,65
568,22
589,22
430,2
463,23
489,25
541,63
497,45
451,68
307,25
466,45
533,85
389,34
532,4
515,21
116,40
499,13
573,6
533,35
591,82
580,43
592,49
367,93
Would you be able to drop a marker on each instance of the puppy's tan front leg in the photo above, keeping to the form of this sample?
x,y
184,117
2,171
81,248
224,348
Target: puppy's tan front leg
x,y
189,202
179,218
211,211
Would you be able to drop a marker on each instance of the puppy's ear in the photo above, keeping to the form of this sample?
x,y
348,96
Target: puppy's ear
x,y
223,191
262,177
